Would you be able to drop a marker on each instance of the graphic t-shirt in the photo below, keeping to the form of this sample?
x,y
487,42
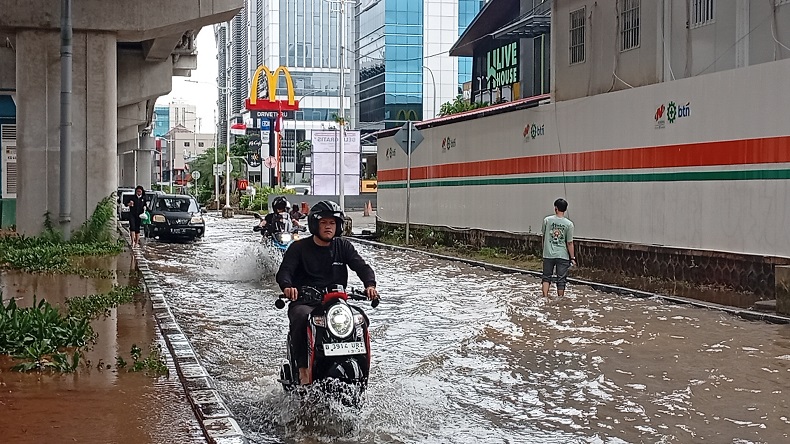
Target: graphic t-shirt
x,y
557,231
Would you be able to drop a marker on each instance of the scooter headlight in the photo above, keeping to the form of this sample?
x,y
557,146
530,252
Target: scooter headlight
x,y
340,320
284,238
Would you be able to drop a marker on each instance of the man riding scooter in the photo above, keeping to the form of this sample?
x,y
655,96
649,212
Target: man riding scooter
x,y
278,221
319,261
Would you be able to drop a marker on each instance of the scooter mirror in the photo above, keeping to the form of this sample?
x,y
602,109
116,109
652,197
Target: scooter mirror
x,y
279,303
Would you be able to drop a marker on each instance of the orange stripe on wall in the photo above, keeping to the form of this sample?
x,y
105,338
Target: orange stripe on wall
x,y
730,152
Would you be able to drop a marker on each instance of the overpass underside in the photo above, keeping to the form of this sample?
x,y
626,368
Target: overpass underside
x,y
125,54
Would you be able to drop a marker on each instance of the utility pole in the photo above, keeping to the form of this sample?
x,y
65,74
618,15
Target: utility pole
x,y
227,210
342,114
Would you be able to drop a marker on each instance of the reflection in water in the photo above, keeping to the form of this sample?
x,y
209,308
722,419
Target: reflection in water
x,y
99,403
465,355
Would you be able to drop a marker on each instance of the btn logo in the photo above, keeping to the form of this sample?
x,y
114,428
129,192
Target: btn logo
x,y
671,112
448,143
532,131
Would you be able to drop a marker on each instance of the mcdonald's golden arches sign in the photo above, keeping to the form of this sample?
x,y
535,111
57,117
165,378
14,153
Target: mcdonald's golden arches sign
x,y
404,115
254,103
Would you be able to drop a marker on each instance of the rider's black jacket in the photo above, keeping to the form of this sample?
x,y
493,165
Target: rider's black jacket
x,y
307,264
274,223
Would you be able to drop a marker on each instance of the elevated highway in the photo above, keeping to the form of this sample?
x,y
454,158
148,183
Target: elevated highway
x,y
125,54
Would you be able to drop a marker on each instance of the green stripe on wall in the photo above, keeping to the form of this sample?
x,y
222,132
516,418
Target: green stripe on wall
x,y
688,176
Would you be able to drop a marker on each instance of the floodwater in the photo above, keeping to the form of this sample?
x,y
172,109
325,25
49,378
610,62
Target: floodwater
x,y
95,404
465,355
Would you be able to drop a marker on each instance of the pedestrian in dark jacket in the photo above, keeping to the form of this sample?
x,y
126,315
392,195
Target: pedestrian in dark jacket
x,y
136,208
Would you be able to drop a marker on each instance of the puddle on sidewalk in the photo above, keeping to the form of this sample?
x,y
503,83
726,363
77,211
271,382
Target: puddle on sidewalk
x,y
56,288
94,404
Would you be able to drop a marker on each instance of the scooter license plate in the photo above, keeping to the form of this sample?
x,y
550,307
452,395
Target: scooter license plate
x,y
344,348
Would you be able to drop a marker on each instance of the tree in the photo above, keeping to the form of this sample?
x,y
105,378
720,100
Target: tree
x,y
339,120
459,105
239,146
204,163
304,147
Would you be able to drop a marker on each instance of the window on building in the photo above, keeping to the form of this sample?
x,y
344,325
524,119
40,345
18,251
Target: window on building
x,y
703,12
186,144
629,25
200,144
577,36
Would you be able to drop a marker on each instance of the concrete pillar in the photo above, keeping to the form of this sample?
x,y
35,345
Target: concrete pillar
x,y
94,138
126,153
782,279
145,161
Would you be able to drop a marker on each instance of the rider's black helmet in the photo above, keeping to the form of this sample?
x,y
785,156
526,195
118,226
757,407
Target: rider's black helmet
x,y
280,203
325,208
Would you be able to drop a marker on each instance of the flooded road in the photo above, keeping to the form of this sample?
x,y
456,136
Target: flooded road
x,y
465,355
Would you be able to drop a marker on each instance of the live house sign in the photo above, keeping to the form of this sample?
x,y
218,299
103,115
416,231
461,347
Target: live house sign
x,y
502,65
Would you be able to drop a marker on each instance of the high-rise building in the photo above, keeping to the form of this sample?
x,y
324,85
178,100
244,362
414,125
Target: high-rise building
x,y
161,120
184,114
404,71
301,35
220,36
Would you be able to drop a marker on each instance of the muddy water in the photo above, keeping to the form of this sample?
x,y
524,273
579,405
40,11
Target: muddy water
x,y
96,404
464,355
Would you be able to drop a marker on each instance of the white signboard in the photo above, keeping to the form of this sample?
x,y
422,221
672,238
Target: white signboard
x,y
326,164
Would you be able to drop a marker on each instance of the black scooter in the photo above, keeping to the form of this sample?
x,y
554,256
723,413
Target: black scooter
x,y
338,340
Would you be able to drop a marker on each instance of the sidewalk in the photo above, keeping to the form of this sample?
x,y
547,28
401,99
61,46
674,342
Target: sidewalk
x,y
360,222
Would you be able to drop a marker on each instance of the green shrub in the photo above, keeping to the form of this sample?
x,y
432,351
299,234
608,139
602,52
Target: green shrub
x,y
49,253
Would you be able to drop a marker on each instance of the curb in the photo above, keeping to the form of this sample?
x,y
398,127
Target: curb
x,y
215,418
607,288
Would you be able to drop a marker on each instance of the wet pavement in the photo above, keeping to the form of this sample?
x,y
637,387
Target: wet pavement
x,y
95,404
466,355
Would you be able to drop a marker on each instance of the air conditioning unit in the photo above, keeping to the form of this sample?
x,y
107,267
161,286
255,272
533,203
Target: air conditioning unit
x,y
8,173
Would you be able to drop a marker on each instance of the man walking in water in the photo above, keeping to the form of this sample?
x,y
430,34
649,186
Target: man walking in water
x,y
558,251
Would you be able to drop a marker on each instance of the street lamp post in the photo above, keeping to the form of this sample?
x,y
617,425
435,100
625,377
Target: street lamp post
x,y
342,91
433,79
227,211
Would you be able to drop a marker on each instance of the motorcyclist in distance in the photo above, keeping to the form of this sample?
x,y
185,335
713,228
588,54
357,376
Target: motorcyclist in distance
x,y
278,221
321,260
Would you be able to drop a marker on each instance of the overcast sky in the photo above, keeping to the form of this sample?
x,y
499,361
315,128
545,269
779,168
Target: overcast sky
x,y
204,94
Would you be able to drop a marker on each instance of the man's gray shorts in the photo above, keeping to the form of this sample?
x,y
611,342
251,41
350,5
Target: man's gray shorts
x,y
561,265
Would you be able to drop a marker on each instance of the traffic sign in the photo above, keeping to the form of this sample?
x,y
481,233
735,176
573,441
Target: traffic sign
x,y
196,175
402,137
270,162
